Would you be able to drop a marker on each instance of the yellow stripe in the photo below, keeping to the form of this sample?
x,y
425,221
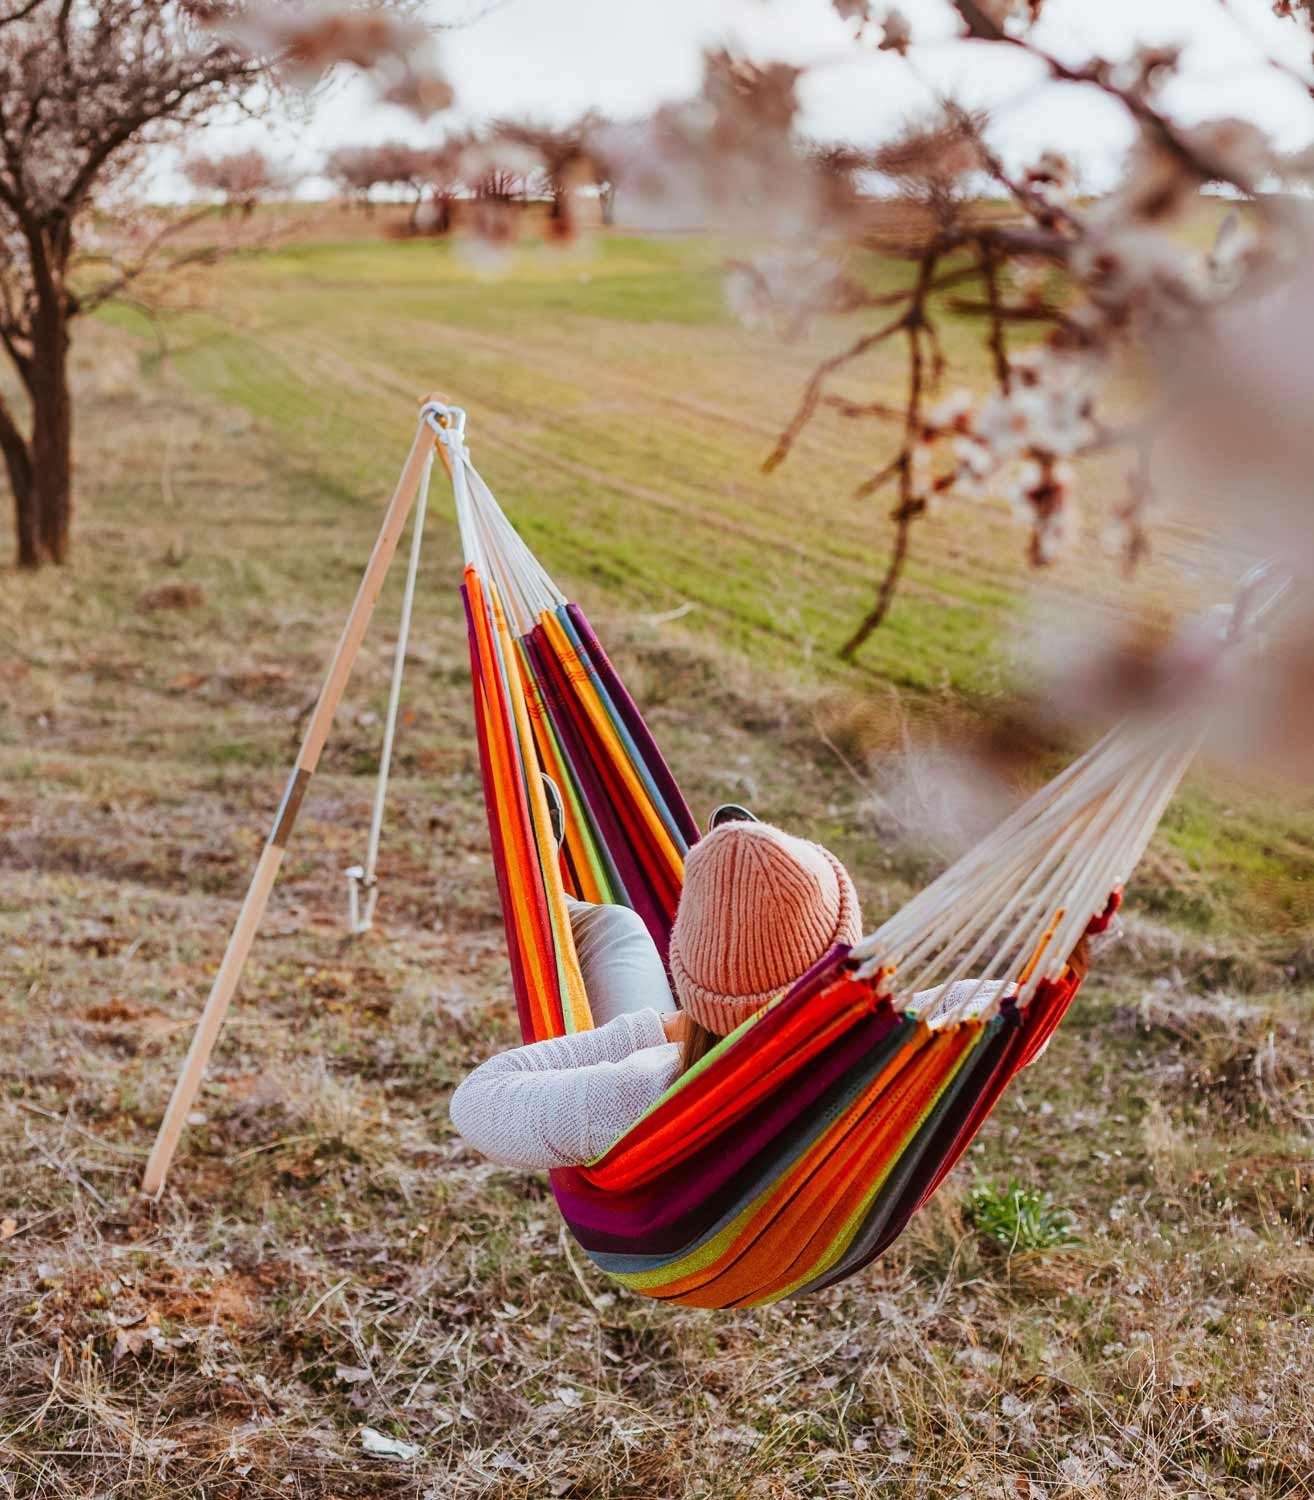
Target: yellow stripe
x,y
653,1281
846,1236
700,1259
576,1005
588,696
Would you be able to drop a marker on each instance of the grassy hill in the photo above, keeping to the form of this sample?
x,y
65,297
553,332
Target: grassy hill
x,y
328,1255
623,416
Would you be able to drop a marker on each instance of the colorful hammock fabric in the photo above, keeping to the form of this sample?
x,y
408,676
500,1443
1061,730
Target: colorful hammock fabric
x,y
797,1150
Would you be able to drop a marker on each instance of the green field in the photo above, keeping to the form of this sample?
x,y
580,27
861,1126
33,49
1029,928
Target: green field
x,y
328,1254
622,416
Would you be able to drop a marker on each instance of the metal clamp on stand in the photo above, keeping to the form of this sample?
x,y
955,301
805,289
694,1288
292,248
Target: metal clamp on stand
x,y
359,921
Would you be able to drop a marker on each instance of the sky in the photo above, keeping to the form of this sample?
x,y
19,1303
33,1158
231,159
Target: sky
x,y
552,59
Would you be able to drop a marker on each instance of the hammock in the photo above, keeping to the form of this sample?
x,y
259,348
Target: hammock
x,y
797,1150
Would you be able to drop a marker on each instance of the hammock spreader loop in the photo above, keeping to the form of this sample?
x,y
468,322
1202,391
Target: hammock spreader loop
x,y
446,421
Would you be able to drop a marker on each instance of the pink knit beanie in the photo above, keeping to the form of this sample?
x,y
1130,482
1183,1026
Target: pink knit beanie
x,y
759,908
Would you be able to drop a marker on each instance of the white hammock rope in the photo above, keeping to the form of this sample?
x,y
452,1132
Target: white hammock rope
x,y
362,878
493,546
496,550
1050,867
1019,901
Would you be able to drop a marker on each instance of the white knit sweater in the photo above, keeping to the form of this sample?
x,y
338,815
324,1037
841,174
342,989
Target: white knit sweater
x,y
566,1100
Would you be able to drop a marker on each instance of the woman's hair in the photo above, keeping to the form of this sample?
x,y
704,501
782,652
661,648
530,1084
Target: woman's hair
x,y
696,1043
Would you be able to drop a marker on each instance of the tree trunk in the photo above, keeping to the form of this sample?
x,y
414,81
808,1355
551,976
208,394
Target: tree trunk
x,y
52,437
18,462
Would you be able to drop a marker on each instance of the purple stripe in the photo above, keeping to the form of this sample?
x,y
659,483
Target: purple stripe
x,y
696,1192
889,1217
611,830
628,710
692,1186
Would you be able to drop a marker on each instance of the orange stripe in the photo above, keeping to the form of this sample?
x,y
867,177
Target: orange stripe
x,y
547,750
587,696
540,971
884,1135
812,1174
824,1189
542,841
733,1085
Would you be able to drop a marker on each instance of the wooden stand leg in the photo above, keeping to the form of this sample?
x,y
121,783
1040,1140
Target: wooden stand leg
x,y
271,857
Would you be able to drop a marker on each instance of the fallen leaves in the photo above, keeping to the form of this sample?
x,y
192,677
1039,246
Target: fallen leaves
x,y
171,595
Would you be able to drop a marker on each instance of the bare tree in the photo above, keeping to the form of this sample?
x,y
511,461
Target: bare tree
x,y
568,162
500,174
391,164
445,180
82,89
241,179
85,90
354,169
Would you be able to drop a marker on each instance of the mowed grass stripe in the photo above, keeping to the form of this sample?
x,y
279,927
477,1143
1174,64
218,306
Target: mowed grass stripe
x,y
792,542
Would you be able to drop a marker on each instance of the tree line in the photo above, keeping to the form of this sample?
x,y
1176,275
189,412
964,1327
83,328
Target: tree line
x,y
508,162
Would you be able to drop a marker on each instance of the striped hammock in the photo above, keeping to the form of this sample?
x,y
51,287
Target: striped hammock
x,y
798,1149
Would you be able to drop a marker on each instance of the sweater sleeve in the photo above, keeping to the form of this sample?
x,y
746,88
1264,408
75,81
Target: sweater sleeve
x,y
564,1101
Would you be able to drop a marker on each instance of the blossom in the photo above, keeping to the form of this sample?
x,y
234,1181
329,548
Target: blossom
x,y
1052,178
1235,151
309,39
954,411
783,289
1127,268
896,32
1031,279
1147,68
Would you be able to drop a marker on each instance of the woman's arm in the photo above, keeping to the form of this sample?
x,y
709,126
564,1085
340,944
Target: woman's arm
x,y
564,1101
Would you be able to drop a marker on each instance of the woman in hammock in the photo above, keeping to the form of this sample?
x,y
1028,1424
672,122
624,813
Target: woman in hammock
x,y
758,909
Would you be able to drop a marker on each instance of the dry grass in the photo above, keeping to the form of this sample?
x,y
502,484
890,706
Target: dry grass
x,y
329,1257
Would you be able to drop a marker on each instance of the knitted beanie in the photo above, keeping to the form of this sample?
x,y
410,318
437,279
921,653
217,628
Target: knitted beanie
x,y
759,908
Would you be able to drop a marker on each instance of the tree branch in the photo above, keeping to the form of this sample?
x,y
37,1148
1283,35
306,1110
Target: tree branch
x,y
22,12
813,391
911,505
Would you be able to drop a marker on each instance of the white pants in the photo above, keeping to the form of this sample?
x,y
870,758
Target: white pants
x,y
623,972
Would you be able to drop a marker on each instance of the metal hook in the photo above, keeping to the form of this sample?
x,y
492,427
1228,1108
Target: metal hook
x,y
360,915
